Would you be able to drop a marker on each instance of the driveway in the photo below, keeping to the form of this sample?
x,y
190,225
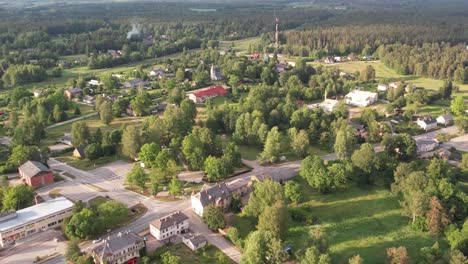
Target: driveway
x,y
216,239
460,143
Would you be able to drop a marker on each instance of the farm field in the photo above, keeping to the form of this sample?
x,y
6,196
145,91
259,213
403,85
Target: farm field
x,y
240,46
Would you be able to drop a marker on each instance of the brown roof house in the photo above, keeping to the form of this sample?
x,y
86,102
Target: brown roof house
x,y
71,93
123,248
217,195
170,225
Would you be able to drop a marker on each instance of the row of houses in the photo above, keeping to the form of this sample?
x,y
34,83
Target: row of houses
x,y
429,123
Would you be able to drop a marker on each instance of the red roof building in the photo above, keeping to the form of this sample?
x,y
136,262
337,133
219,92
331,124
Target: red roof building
x,y
200,96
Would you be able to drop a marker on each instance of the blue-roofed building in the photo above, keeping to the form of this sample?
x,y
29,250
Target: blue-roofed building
x,y
15,225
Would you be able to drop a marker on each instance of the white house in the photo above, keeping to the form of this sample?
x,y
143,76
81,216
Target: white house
x,y
382,87
94,83
446,120
217,195
194,241
215,75
425,145
123,248
169,226
427,123
361,98
157,72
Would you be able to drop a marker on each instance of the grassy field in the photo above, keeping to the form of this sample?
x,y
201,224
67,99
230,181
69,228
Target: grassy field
x,y
85,164
239,46
383,71
358,221
206,255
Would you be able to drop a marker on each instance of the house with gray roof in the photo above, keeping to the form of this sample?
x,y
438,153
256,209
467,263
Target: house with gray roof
x,y
123,248
427,123
194,241
135,83
35,174
73,92
445,120
424,145
170,225
217,195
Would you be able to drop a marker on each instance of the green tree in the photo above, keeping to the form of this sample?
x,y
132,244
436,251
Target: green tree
x,y
193,151
169,258
265,194
148,154
13,119
57,113
137,176
175,186
140,104
215,169
263,247
356,259
82,224
20,154
299,141
131,141
274,219
457,106
80,133
17,197
180,74
93,151
105,112
292,190
314,171
271,150
213,217
312,255
154,188
345,142
364,158
77,111
401,146
367,74
73,251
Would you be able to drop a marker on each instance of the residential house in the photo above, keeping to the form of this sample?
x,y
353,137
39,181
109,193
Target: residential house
x,y
123,248
281,67
159,108
217,195
66,139
394,85
254,56
361,98
37,93
115,53
427,123
215,75
194,241
88,99
135,83
329,60
382,87
71,93
425,145
94,83
170,225
199,96
35,174
157,72
79,152
273,176
129,111
446,120
16,225
359,129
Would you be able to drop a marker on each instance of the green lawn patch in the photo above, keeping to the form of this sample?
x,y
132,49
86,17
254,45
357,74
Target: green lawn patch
x,y
55,193
85,164
96,201
206,255
357,221
244,224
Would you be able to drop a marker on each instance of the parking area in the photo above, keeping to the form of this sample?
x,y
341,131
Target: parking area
x,y
460,143
41,245
114,171
73,190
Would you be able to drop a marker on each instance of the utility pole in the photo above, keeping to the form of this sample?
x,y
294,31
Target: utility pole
x,y
276,31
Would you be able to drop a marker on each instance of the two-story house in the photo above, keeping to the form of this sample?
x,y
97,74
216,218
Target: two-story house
x,y
170,225
123,248
217,195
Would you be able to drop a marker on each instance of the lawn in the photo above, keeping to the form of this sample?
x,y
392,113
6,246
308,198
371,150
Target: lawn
x,y
239,46
383,71
96,201
357,221
206,255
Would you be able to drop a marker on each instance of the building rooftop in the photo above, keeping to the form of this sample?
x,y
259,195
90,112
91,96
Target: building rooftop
x,y
35,212
210,91
195,239
116,244
169,220
210,194
74,90
33,168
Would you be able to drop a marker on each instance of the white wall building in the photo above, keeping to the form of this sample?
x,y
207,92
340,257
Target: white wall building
x,y
25,222
123,248
361,98
427,123
328,105
169,226
217,195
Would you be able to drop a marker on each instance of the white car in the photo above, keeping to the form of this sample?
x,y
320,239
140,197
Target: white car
x,y
96,240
